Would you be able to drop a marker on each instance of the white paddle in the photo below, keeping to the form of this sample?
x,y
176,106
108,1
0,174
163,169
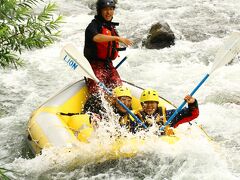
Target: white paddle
x,y
225,54
77,61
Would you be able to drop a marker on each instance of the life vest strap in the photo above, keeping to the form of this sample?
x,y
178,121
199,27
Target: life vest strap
x,y
67,114
115,23
121,49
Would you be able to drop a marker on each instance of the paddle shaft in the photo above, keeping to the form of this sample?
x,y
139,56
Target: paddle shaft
x,y
225,54
120,63
184,102
123,105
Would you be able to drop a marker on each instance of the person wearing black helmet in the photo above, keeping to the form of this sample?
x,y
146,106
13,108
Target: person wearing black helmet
x,y
102,46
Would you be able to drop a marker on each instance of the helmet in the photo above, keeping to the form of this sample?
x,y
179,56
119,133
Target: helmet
x,y
105,3
122,91
149,95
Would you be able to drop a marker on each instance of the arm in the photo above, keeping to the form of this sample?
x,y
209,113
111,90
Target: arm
x,y
186,114
107,38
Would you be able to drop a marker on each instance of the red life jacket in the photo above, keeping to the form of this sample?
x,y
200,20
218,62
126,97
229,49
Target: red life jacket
x,y
108,50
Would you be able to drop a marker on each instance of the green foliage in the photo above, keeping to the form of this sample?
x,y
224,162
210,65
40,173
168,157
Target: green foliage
x,y
22,28
3,172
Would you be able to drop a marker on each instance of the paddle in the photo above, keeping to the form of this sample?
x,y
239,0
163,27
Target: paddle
x,y
120,63
225,54
77,61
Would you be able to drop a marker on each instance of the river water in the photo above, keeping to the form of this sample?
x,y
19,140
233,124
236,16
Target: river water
x,y
200,27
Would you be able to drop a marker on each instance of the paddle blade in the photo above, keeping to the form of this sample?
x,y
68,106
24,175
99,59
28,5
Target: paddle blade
x,y
230,48
76,60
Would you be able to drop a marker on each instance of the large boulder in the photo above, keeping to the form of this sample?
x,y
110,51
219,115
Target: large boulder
x,y
160,36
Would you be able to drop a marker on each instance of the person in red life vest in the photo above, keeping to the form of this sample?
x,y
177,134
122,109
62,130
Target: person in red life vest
x,y
102,46
153,113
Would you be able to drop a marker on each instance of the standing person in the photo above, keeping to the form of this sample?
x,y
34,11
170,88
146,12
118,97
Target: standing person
x,y
152,113
102,45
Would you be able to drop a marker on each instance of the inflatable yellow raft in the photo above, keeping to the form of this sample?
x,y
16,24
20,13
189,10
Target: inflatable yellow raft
x,y
47,126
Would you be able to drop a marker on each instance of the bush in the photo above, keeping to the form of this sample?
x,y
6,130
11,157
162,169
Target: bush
x,y
22,28
2,174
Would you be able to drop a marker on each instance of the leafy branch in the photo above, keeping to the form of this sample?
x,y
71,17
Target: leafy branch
x,y
3,172
21,28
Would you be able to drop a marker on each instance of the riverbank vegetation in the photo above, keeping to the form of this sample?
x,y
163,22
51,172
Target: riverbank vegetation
x,y
24,25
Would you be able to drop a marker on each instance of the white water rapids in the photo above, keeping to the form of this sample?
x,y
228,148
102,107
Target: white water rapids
x,y
200,27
